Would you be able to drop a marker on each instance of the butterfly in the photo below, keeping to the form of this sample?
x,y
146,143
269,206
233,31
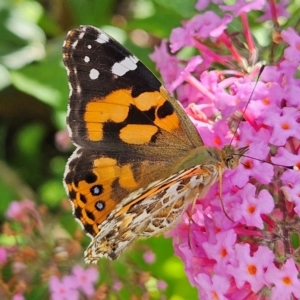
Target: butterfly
x,y
139,160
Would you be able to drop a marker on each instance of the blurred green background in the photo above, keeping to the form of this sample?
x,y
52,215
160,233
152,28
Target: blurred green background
x,y
33,101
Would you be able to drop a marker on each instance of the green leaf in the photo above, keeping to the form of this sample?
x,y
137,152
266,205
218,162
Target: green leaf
x,y
157,24
52,192
22,41
186,9
46,80
7,195
91,12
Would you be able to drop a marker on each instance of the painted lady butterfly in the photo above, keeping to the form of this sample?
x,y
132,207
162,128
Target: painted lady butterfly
x,y
139,160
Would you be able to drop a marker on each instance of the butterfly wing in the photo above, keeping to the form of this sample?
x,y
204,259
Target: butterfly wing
x,y
128,130
97,182
115,100
153,210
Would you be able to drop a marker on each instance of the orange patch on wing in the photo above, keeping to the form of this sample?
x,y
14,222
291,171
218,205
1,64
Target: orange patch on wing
x,y
79,204
107,171
157,99
95,131
114,108
168,123
127,179
105,162
137,134
149,99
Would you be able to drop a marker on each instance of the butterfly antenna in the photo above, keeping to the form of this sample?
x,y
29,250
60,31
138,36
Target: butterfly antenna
x,y
295,168
245,108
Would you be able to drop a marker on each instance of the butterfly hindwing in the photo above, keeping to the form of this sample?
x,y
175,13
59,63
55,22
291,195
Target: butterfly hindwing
x,y
153,210
97,182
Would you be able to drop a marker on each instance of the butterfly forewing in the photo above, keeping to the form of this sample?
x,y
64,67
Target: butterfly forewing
x,y
116,100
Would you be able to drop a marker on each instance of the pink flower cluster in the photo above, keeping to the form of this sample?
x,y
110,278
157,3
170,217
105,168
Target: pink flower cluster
x,y
253,254
22,259
80,282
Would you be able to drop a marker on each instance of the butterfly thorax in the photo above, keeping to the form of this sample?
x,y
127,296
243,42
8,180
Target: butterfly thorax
x,y
226,158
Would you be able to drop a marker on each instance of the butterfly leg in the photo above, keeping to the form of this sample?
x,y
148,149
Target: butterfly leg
x,y
190,216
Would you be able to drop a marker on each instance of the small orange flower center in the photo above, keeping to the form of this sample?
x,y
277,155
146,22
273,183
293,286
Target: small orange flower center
x,y
298,46
285,126
251,209
223,252
248,164
215,295
237,101
217,229
252,269
266,101
217,141
287,280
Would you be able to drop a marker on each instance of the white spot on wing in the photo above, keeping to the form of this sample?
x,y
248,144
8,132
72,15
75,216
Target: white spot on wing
x,y
125,65
68,70
71,89
78,88
102,38
74,44
86,59
89,46
69,131
94,74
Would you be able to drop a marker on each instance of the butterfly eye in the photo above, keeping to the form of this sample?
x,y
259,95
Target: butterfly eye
x,y
99,205
231,163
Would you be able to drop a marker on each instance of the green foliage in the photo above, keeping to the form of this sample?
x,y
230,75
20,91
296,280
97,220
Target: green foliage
x,y
33,104
186,9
